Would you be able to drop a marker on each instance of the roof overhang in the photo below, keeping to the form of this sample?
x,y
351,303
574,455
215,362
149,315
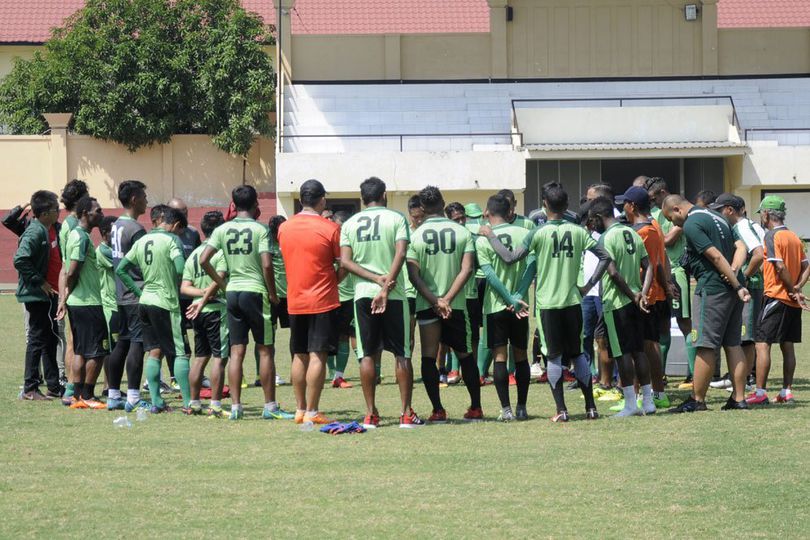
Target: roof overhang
x,y
635,150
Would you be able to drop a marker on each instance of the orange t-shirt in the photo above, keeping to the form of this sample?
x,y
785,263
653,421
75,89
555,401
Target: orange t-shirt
x,y
309,246
782,244
653,239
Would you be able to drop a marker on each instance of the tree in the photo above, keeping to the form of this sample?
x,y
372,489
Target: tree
x,y
139,71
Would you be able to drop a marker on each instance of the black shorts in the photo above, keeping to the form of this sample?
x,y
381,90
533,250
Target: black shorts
x,y
412,306
456,331
503,327
625,330
163,329
345,320
560,331
317,332
476,319
657,321
779,322
279,314
211,334
130,323
89,329
249,313
390,330
184,304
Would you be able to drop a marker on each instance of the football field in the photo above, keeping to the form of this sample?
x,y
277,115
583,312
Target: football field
x,y
72,473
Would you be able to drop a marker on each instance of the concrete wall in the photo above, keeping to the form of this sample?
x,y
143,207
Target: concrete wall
x,y
744,51
9,52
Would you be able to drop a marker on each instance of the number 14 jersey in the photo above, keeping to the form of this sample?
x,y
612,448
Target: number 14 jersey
x,y
242,242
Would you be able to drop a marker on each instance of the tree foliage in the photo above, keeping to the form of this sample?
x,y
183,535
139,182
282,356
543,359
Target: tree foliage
x,y
139,71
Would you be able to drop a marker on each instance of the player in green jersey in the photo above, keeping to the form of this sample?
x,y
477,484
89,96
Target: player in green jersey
x,y
373,247
624,297
159,256
504,320
82,301
336,363
211,325
104,262
514,217
251,288
415,218
558,248
440,261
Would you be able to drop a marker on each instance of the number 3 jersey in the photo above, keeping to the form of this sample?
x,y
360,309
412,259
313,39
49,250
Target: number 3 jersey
x,y
242,242
155,254
558,247
437,247
373,234
626,248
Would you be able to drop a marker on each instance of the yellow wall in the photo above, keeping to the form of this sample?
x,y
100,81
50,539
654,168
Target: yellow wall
x,y
764,50
9,52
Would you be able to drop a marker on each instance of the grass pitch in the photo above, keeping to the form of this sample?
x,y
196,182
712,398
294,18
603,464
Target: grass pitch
x,y
73,474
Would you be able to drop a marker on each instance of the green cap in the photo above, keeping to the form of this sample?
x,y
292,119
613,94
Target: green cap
x,y
472,210
772,202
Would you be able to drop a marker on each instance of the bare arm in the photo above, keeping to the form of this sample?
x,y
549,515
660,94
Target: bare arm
x,y
740,254
757,258
67,282
721,264
672,237
646,284
599,271
617,278
348,265
269,276
467,268
205,264
414,274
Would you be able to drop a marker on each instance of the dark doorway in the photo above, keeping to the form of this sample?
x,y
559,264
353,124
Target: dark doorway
x,y
620,173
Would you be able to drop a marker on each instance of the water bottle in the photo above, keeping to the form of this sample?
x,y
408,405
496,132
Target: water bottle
x,y
122,422
307,426
141,415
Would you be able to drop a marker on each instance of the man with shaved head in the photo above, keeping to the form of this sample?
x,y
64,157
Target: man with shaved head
x,y
719,298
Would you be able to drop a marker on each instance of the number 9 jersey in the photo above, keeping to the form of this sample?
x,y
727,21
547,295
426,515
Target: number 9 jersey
x,y
437,247
242,242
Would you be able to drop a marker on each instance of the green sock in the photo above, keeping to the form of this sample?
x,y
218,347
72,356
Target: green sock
x,y
510,362
484,358
452,361
181,369
69,390
153,378
330,366
691,353
665,342
342,357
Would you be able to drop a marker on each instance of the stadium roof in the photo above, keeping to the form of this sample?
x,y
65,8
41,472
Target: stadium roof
x,y
30,21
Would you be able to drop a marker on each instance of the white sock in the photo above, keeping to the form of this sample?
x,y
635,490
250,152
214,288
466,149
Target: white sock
x,y
760,392
629,397
312,413
659,395
236,407
338,375
216,404
194,402
271,406
784,392
133,396
646,392
113,394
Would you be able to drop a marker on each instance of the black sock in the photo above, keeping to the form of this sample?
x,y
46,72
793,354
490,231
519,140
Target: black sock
x,y
78,390
472,380
115,364
256,357
559,396
88,390
134,366
523,378
587,393
430,378
170,363
500,376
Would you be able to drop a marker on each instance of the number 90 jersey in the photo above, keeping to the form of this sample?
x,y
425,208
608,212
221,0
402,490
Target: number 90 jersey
x,y
558,247
155,253
437,247
242,242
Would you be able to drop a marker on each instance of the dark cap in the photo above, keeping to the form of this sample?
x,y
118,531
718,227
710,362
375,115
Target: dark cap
x,y
635,195
312,189
727,199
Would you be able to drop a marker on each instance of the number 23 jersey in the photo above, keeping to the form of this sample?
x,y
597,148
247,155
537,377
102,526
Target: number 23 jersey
x,y
437,247
242,242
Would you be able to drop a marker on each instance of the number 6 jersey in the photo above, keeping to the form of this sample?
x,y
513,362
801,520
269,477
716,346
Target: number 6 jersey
x,y
157,254
242,242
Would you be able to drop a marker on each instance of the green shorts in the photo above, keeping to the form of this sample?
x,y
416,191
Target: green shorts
x,y
682,306
750,316
113,324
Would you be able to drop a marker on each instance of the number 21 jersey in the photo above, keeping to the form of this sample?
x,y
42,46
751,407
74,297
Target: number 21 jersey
x,y
242,242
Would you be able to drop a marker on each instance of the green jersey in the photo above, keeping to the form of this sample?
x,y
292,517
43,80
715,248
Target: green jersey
x,y
155,254
104,262
523,221
509,274
70,223
558,247
346,288
193,272
471,288
704,229
753,236
87,290
626,248
438,247
675,252
242,242
279,272
373,235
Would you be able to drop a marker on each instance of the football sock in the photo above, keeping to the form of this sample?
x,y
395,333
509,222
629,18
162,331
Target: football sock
x,y
501,378
115,365
271,406
555,378
77,390
761,392
341,358
665,342
330,365
215,404
153,378
430,378
523,377
338,375
69,390
133,396
469,373
194,402
256,358
181,369
113,393
582,370
377,367
510,361
691,353
629,397
88,390
134,365
170,363
784,392
484,358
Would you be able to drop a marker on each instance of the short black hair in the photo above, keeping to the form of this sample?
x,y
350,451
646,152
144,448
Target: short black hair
x,y
128,189
555,197
656,184
157,213
72,192
173,215
43,201
454,207
602,189
244,198
84,205
601,206
372,190
341,216
106,225
707,196
500,206
509,194
274,224
431,199
414,202
210,221
311,192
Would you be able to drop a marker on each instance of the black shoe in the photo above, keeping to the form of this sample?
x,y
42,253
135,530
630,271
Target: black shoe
x,y
591,414
732,405
257,383
573,385
690,405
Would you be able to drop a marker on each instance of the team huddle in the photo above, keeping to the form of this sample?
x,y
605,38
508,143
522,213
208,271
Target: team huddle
x,y
611,275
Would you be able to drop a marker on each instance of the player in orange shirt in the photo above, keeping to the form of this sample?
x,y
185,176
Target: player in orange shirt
x,y
785,272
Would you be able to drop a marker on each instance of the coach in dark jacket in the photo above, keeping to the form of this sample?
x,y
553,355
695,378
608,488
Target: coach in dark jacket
x,y
39,297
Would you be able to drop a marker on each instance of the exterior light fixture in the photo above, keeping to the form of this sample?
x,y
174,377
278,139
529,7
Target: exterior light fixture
x,y
690,12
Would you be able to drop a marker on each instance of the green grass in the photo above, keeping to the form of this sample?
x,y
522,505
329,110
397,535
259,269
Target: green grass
x,y
71,473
